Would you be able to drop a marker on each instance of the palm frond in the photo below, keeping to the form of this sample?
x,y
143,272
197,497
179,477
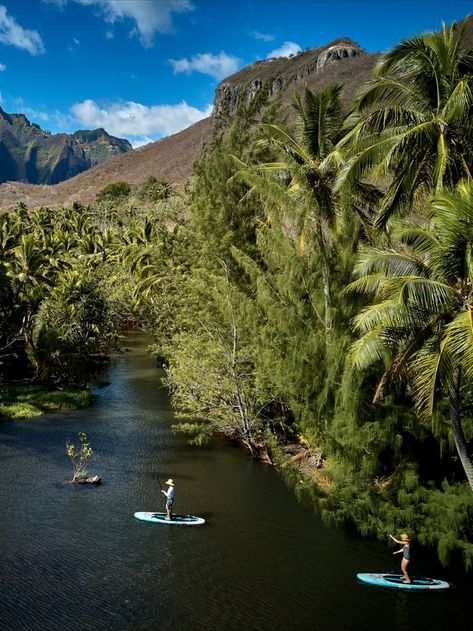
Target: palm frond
x,y
430,370
389,314
389,263
420,239
367,350
459,341
429,295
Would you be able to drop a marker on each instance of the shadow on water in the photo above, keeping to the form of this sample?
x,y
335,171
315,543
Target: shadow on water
x,y
75,558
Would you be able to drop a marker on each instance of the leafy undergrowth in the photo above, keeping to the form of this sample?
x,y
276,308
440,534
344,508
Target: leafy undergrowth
x,y
28,401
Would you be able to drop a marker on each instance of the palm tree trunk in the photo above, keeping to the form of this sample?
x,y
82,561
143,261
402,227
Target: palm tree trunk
x,y
455,420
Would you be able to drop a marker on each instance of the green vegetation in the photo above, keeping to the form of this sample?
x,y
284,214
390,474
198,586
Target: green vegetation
x,y
80,455
27,401
313,289
114,191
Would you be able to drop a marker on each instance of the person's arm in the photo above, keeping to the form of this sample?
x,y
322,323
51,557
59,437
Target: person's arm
x,y
398,551
397,541
164,492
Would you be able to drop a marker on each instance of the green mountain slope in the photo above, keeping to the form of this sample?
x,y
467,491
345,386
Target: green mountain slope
x,y
32,155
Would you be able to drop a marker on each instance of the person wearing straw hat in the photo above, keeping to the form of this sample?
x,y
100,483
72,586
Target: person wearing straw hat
x,y
405,542
169,498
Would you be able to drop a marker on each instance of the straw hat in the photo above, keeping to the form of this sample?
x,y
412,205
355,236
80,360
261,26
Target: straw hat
x,y
170,481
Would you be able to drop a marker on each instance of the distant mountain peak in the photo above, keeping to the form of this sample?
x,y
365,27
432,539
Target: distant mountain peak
x,y
32,155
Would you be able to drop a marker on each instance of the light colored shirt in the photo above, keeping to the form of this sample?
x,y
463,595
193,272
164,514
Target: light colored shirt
x,y
170,493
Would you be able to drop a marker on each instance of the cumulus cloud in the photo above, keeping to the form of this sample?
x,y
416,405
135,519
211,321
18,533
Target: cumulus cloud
x,y
149,16
265,37
12,34
140,141
217,66
2,67
286,50
134,120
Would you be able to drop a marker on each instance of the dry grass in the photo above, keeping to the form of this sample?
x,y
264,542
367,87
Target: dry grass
x,y
171,159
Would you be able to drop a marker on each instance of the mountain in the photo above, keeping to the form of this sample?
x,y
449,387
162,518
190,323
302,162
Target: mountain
x,y
257,85
172,158
30,154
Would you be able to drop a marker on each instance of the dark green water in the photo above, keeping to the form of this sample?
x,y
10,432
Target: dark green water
x,y
75,558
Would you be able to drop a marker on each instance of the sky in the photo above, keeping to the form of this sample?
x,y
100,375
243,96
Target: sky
x,y
145,69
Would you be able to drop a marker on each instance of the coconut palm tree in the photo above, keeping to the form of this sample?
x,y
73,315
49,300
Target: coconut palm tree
x,y
297,187
412,125
420,321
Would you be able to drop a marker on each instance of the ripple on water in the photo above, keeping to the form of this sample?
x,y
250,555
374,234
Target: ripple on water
x,y
75,558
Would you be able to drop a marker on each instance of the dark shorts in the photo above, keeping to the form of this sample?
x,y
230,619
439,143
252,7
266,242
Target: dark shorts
x,y
169,503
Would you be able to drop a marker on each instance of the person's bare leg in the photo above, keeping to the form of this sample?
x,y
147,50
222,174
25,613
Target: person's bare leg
x,y
404,564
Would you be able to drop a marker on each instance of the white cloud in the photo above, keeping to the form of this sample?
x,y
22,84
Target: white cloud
x,y
141,141
265,37
35,114
76,41
286,50
149,16
217,66
12,34
109,34
2,67
134,120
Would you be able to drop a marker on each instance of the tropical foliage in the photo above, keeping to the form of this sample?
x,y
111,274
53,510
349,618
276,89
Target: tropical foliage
x,y
412,123
311,294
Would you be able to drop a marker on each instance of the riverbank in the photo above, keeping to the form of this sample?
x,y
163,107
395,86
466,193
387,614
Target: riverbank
x,y
32,400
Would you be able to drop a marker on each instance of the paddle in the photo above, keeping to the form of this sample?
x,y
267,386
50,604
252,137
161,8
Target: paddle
x,y
160,485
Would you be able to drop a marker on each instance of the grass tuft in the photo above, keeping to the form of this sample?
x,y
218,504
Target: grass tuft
x,y
28,401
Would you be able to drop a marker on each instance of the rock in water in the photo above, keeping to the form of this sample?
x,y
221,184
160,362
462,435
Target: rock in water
x,y
94,479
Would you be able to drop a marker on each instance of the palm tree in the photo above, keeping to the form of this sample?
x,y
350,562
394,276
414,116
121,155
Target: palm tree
x,y
413,123
297,185
421,316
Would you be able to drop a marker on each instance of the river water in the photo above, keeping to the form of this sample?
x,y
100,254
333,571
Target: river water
x,y
75,558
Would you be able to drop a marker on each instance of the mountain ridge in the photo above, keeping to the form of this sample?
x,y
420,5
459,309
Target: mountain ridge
x,y
32,155
172,158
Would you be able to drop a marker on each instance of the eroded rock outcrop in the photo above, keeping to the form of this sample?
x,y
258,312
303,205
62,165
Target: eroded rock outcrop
x,y
336,53
275,74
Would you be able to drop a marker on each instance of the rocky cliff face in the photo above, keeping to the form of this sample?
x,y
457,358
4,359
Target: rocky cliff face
x,y
30,154
276,74
98,145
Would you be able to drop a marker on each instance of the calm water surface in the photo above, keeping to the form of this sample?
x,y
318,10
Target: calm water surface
x,y
75,558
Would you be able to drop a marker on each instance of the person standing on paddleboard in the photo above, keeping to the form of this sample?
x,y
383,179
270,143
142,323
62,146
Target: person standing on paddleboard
x,y
169,497
405,542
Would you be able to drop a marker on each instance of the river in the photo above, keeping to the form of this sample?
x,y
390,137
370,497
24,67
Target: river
x,y
73,557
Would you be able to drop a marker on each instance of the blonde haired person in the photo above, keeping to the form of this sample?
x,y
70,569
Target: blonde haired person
x,y
405,542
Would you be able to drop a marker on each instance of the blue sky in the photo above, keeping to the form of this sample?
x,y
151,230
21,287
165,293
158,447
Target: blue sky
x,y
144,69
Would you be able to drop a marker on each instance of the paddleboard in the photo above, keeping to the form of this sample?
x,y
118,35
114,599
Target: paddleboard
x,y
396,581
177,520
